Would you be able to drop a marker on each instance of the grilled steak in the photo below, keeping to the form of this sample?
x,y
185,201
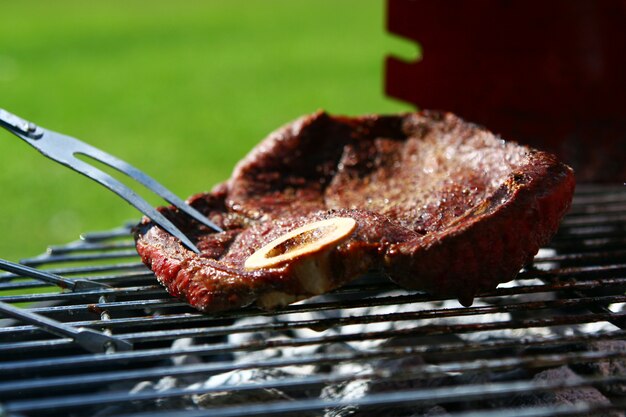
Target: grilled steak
x,y
438,204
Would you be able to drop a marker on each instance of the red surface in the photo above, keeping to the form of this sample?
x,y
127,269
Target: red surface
x,y
551,74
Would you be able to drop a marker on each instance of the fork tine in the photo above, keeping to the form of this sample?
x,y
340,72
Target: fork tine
x,y
133,198
147,181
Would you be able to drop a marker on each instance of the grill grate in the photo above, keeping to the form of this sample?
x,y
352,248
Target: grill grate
x,y
408,352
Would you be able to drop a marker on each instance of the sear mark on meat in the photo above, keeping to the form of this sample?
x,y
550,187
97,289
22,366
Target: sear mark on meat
x,y
440,205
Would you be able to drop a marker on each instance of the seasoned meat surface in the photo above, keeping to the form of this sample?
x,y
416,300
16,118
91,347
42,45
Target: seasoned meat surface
x,y
440,205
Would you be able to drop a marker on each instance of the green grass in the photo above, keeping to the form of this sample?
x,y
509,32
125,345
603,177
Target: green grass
x,y
182,90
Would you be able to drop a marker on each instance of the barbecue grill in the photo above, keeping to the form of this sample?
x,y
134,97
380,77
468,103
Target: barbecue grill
x,y
550,343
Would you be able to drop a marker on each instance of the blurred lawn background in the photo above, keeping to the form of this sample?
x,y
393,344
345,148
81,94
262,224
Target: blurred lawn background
x,y
182,90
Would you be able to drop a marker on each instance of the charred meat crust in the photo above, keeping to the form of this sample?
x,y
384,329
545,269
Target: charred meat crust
x,y
441,205
489,243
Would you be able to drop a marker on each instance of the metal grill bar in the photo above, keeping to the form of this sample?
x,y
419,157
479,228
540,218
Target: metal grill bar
x,y
72,296
66,382
432,330
74,285
288,408
80,257
301,382
211,323
122,358
368,319
466,392
82,246
87,269
589,283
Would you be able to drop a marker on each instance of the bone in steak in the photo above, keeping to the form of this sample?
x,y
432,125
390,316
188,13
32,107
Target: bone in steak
x,y
440,205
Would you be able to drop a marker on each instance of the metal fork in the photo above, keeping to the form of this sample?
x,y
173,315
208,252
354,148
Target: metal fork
x,y
91,340
62,148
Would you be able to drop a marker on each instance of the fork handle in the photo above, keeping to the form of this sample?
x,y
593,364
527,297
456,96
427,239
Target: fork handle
x,y
19,126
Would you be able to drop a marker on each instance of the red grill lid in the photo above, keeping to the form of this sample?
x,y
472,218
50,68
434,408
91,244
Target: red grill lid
x,y
549,74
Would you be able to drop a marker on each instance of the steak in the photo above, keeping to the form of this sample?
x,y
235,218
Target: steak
x,y
438,204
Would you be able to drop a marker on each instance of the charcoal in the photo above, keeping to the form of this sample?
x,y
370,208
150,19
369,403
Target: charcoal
x,y
217,398
436,410
563,396
357,389
238,377
166,403
162,385
230,398
346,391
609,367
361,388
